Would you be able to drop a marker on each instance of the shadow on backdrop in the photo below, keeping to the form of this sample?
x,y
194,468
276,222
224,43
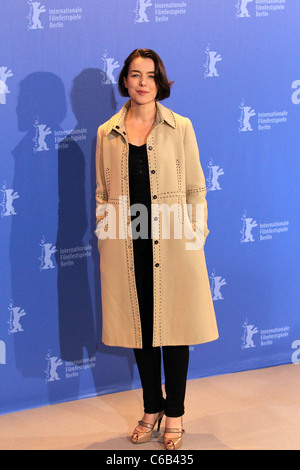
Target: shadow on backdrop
x,y
41,108
79,292
56,218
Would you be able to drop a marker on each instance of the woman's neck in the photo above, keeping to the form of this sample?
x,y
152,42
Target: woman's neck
x,y
142,113
139,121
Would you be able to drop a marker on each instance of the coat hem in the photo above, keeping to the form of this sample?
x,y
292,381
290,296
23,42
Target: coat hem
x,y
167,343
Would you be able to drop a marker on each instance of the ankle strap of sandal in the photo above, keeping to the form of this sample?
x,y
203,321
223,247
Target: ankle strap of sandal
x,y
146,425
174,430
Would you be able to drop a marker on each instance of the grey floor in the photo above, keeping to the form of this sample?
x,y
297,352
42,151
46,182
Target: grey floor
x,y
252,410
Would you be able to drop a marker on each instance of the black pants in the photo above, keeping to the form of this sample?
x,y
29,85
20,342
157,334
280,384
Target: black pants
x,y
175,358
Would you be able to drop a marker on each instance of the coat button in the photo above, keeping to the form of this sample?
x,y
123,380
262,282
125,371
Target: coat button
x,y
117,127
156,242
155,197
155,218
152,171
157,264
150,148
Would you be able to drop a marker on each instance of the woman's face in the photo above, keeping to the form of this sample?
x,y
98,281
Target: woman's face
x,y
140,81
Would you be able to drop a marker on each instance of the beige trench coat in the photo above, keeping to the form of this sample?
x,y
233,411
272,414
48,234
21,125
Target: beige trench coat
x,y
183,307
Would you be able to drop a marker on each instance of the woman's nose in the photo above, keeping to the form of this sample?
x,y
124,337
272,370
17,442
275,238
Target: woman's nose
x,y
143,81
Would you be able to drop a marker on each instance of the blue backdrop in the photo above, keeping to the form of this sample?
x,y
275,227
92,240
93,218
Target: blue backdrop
x,y
236,68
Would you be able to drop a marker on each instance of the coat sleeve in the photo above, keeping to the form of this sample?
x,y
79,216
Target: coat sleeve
x,y
101,190
195,184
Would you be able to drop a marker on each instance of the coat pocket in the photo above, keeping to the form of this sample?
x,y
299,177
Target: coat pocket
x,y
192,237
102,225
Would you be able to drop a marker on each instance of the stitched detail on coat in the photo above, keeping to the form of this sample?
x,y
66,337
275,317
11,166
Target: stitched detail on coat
x,y
179,180
157,320
109,124
107,179
179,183
201,189
160,118
114,200
200,233
102,194
173,116
172,194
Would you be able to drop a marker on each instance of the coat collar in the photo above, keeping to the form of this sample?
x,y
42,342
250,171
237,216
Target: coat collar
x,y
117,122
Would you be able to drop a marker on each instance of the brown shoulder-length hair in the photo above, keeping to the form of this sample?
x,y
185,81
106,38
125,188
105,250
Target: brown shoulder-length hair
x,y
163,85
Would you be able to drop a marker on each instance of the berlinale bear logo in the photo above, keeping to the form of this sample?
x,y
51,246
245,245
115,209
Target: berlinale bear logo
x,y
34,15
249,332
246,114
216,283
41,132
5,73
215,171
212,59
9,195
47,251
16,313
53,363
242,7
246,232
140,11
110,64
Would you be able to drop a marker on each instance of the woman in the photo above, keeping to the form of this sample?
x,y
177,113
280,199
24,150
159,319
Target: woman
x,y
155,288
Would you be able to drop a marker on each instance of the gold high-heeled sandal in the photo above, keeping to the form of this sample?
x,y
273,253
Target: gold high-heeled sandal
x,y
173,444
140,437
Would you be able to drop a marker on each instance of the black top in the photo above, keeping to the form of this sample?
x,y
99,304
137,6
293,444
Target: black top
x,y
139,185
139,191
